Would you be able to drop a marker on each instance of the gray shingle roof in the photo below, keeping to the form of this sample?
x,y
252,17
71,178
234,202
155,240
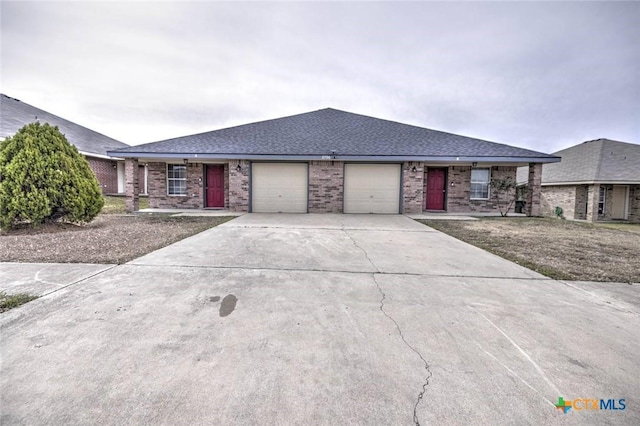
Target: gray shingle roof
x,y
600,160
318,133
15,114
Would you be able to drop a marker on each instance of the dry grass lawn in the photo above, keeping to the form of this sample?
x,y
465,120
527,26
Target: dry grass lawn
x,y
112,237
556,248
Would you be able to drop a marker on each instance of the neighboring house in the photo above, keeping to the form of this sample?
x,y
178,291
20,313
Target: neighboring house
x,y
596,180
15,114
328,161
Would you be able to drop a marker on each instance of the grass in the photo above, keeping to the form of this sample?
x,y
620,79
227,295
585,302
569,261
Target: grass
x,y
110,238
558,249
116,205
10,301
631,227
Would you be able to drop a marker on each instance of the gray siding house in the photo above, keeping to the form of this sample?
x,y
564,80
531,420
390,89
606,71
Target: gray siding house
x,y
328,161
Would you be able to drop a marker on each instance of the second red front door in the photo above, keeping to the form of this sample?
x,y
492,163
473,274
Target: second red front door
x,y
435,189
215,186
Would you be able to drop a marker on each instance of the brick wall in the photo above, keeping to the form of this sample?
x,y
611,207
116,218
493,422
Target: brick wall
x,y
608,203
106,172
580,209
413,187
326,182
634,203
157,188
132,202
532,208
459,189
226,186
592,202
558,196
238,186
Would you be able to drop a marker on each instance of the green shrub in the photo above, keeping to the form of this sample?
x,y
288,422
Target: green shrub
x,y
44,178
10,301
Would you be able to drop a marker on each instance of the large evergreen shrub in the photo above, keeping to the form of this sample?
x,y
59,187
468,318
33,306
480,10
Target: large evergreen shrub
x,y
44,178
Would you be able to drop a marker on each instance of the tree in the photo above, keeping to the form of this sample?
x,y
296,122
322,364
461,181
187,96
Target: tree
x,y
44,178
504,192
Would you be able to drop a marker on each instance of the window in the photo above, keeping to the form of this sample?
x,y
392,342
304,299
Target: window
x,y
480,184
601,200
176,179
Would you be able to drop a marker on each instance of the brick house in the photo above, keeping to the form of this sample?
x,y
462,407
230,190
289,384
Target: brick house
x,y
597,180
328,161
15,114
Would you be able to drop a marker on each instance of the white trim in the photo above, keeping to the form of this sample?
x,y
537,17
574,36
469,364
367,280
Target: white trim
x,y
146,180
122,183
490,169
186,168
104,157
589,182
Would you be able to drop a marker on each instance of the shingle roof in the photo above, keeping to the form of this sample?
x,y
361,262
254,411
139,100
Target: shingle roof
x,y
320,132
600,160
15,114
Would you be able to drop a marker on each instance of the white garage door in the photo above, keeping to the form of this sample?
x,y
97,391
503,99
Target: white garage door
x,y
279,188
372,188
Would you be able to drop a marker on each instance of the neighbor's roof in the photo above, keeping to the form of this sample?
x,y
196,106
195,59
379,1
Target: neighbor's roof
x,y
316,134
600,160
15,114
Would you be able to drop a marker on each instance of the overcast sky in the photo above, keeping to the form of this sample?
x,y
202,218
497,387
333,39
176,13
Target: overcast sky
x,y
539,75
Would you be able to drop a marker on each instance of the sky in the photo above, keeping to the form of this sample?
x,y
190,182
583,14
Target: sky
x,y
539,75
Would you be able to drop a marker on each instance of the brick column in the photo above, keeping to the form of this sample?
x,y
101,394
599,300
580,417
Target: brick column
x,y
412,187
533,196
131,178
593,198
326,183
239,186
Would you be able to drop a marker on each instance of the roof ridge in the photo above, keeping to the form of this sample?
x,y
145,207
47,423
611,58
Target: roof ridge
x,y
61,119
599,159
207,132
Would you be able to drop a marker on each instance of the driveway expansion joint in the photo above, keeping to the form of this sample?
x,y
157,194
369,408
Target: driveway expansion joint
x,y
338,271
78,281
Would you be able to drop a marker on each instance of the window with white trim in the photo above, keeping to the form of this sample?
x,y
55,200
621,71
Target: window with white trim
x,y
480,184
176,179
601,199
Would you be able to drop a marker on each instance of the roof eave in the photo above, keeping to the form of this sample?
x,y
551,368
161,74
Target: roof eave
x,y
592,182
105,157
307,157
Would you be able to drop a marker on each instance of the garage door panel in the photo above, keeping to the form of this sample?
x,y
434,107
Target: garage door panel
x,y
372,188
279,188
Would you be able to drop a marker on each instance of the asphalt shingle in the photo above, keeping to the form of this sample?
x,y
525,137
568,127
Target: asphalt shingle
x,y
15,114
320,132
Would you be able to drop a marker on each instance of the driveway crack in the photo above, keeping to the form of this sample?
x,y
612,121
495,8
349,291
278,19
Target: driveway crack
x,y
427,367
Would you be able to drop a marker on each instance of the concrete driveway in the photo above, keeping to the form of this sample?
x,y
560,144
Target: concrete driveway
x,y
321,319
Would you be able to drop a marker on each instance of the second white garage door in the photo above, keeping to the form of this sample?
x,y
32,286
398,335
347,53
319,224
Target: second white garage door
x,y
279,188
372,188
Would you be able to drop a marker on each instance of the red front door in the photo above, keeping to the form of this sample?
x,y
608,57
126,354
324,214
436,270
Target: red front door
x,y
215,186
435,189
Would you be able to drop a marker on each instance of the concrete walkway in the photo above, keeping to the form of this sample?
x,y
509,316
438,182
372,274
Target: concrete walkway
x,y
322,319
